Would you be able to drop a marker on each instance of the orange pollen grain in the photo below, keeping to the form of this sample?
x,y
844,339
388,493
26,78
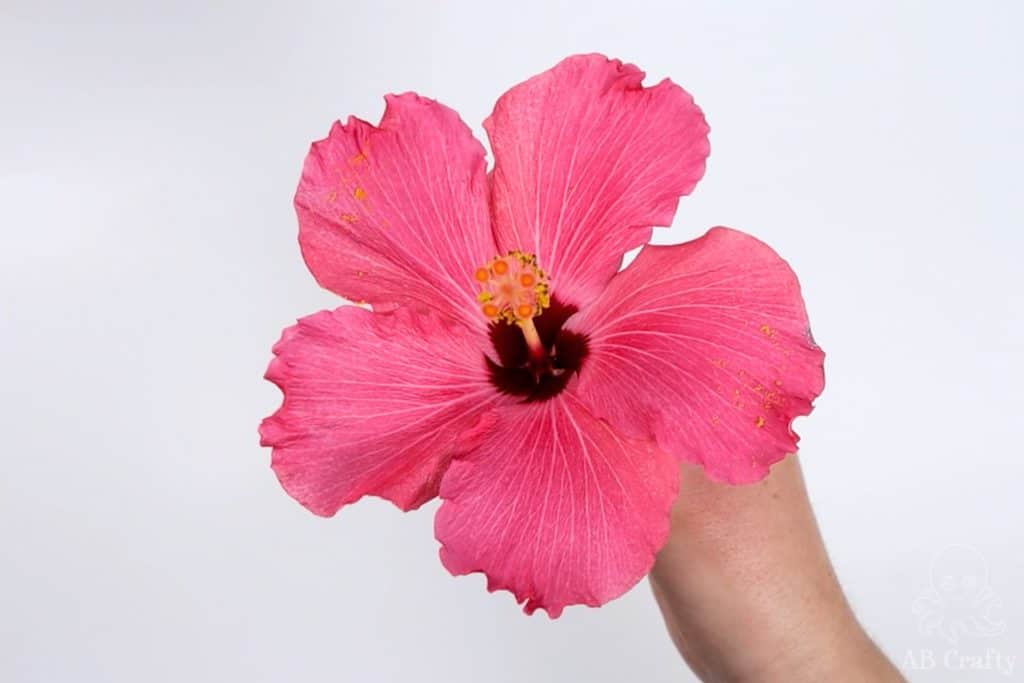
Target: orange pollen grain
x,y
500,267
490,310
524,311
481,274
526,280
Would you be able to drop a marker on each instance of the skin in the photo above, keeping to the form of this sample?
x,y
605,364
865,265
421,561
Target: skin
x,y
747,590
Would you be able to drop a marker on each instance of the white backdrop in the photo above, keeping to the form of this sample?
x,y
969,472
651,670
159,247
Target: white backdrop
x,y
148,156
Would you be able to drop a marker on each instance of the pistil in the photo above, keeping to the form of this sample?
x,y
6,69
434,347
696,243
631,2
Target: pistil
x,y
514,289
538,354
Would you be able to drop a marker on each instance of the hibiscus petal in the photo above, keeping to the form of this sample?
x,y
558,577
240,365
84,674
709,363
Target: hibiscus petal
x,y
586,161
397,214
556,507
374,404
706,346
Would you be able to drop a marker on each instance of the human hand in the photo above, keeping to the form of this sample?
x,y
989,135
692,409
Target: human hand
x,y
747,589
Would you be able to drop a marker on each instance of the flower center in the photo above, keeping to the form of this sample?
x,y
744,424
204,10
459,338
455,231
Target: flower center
x,y
537,357
514,290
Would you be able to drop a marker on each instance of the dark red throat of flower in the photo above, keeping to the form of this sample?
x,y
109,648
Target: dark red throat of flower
x,y
541,373
536,357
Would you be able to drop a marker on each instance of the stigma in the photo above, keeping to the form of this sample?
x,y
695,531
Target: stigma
x,y
513,288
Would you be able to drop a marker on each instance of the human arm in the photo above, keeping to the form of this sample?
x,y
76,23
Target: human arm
x,y
747,589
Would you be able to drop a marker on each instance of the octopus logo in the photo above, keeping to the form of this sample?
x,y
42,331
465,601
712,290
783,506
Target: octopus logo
x,y
959,603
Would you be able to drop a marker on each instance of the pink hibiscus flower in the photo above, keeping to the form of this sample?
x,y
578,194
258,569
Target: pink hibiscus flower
x,y
507,365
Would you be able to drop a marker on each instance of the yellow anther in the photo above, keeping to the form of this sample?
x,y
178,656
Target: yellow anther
x,y
513,288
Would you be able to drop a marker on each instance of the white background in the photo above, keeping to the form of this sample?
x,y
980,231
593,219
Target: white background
x,y
148,156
